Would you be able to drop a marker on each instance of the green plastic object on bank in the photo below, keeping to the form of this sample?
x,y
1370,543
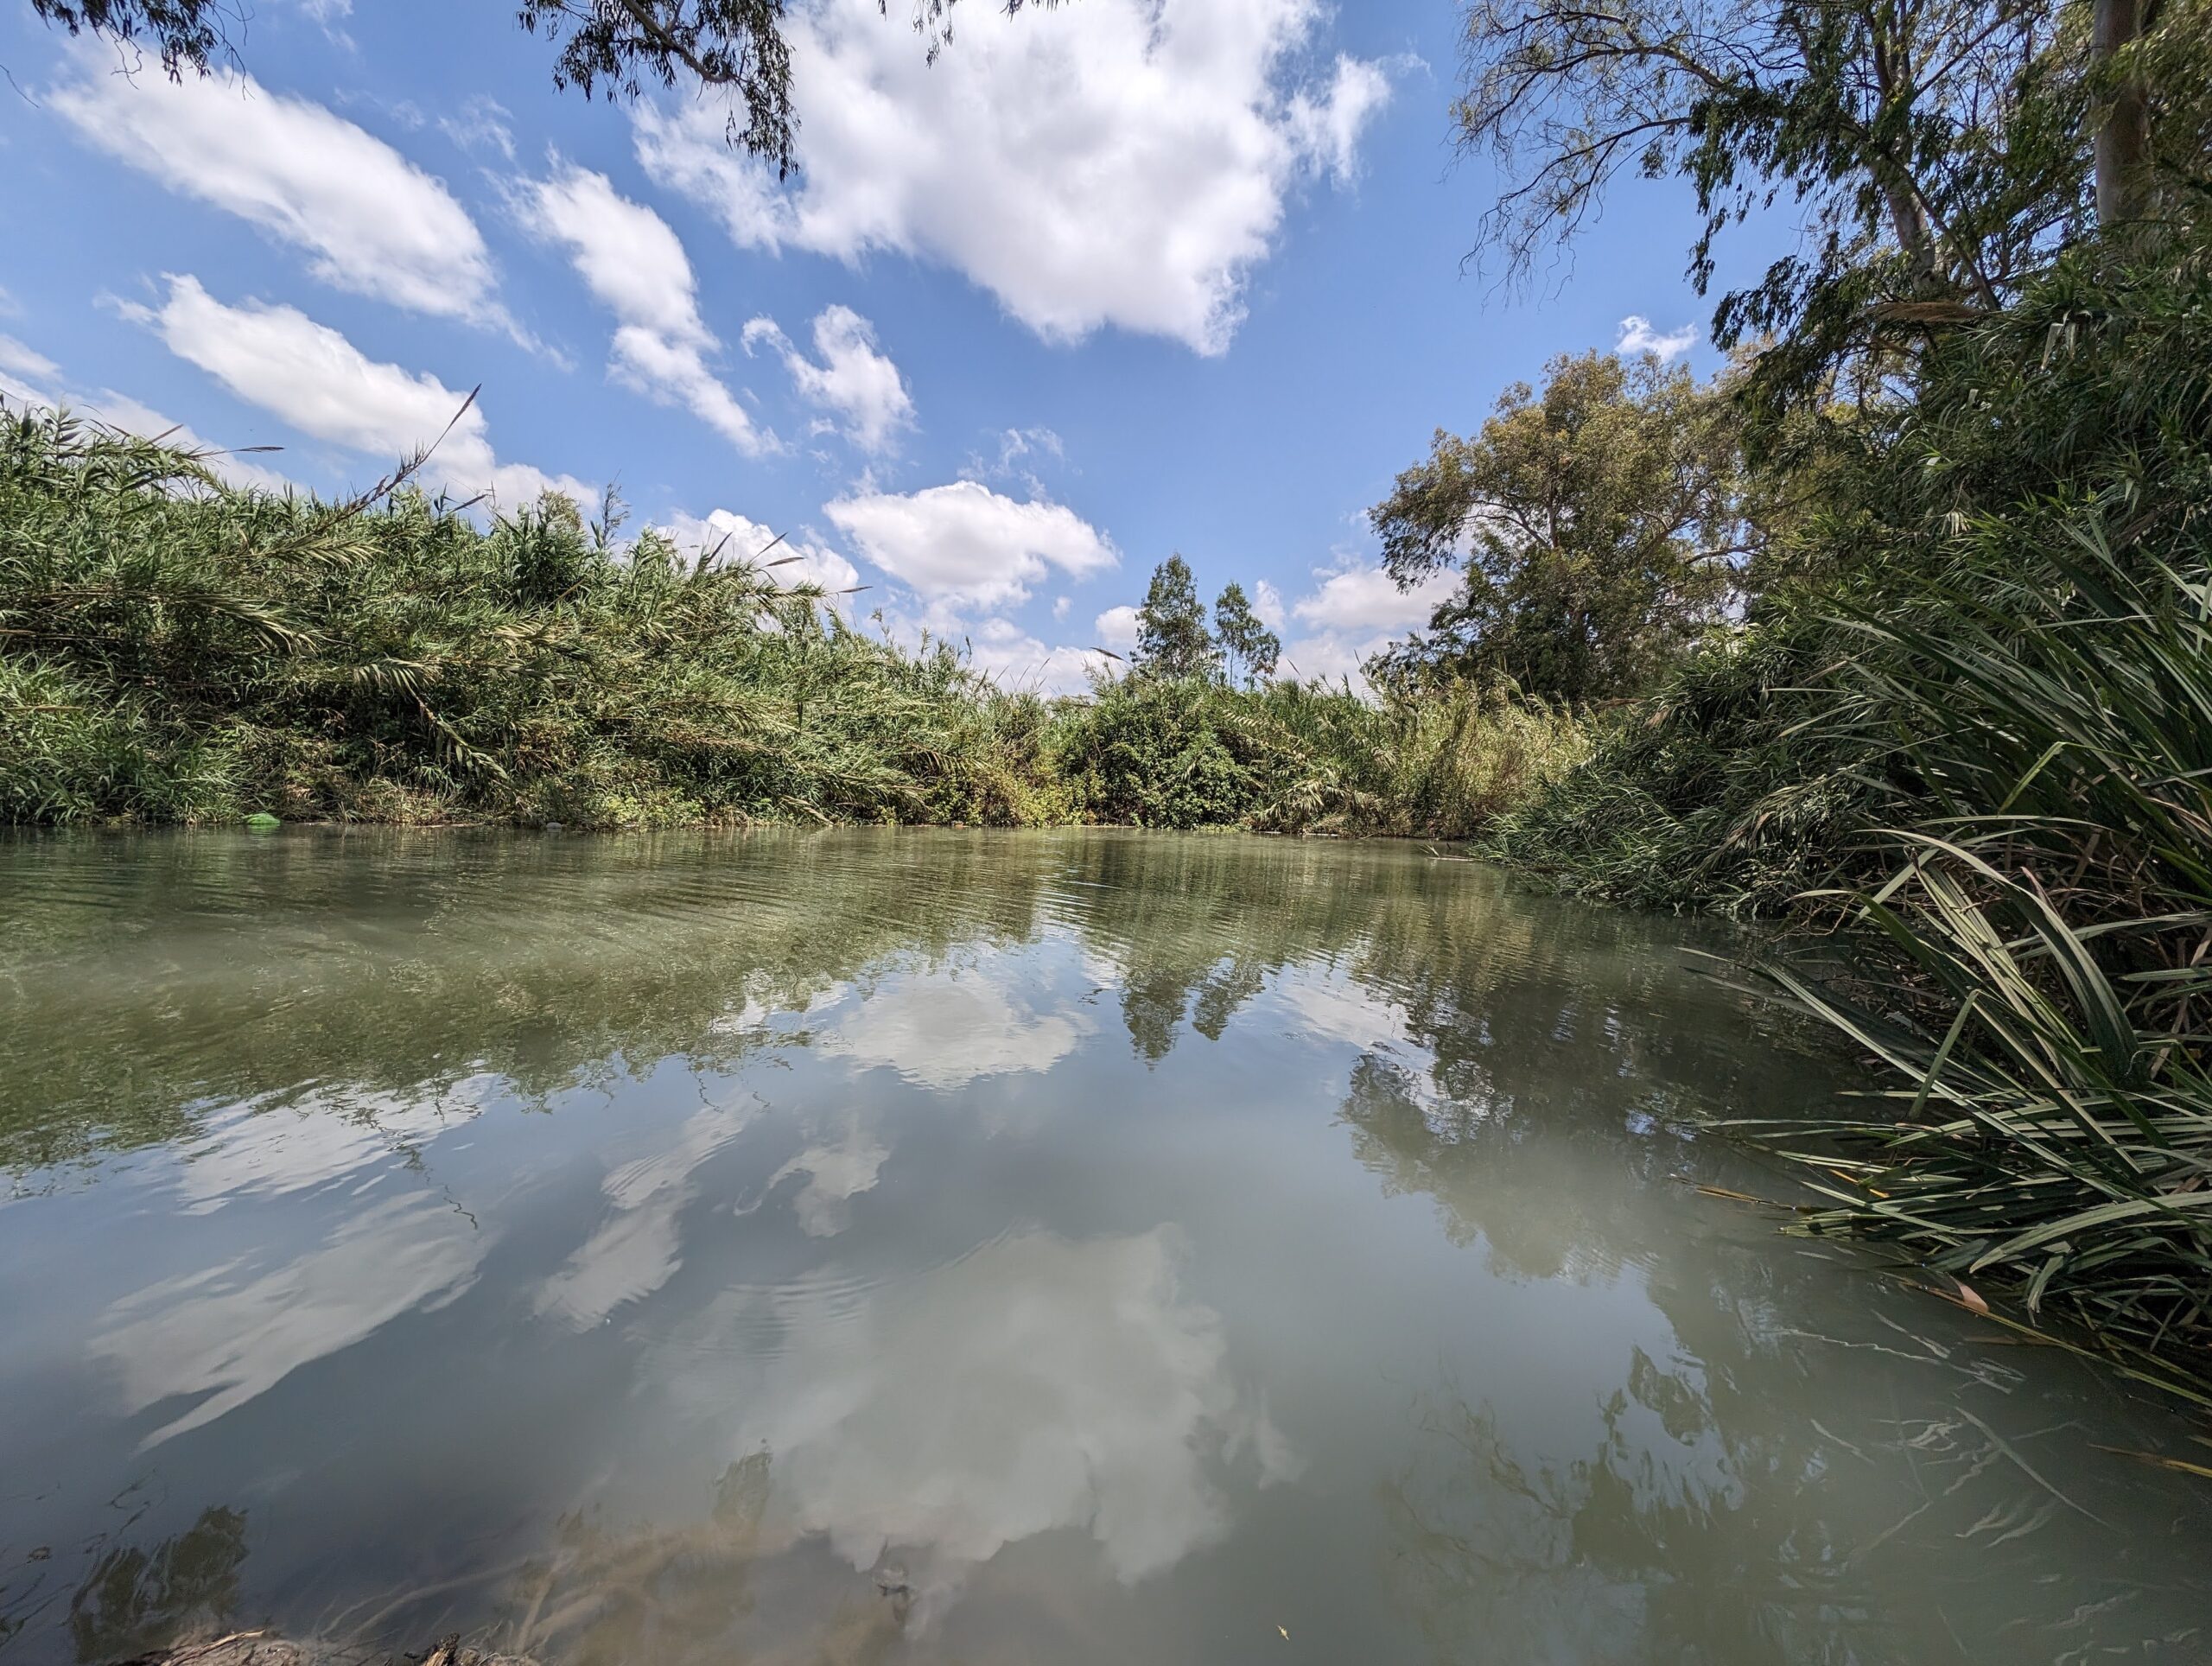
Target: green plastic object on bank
x,y
262,821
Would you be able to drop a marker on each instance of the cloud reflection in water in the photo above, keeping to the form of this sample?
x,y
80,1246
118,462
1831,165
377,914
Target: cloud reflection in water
x,y
230,1336
1038,1383
948,1029
638,1248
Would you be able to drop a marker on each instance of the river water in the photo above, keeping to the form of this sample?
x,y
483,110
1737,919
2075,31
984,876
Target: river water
x,y
889,1246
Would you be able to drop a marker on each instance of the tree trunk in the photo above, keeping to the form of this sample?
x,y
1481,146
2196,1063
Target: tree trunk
x,y
1908,219
1910,223
2122,141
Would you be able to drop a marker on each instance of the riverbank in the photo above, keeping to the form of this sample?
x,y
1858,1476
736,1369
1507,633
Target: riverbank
x,y
179,651
1969,757
264,1648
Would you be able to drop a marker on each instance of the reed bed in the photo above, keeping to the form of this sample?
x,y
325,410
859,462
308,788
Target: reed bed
x,y
175,649
2035,972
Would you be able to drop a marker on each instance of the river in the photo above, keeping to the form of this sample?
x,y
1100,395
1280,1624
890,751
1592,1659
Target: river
x,y
961,1246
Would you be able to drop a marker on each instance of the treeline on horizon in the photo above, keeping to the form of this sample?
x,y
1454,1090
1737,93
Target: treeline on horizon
x,y
1899,630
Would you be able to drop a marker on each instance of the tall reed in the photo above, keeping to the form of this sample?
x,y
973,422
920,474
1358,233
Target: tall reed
x,y
2034,969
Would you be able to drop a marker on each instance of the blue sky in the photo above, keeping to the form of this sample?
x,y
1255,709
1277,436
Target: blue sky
x,y
1124,278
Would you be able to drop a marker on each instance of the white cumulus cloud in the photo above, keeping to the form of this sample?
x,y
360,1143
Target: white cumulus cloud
x,y
1359,598
1020,662
853,378
633,263
1125,162
370,220
1117,629
1354,611
964,543
313,377
1637,336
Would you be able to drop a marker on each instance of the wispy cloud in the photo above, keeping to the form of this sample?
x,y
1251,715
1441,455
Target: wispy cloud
x,y
1637,336
30,377
633,262
370,221
313,377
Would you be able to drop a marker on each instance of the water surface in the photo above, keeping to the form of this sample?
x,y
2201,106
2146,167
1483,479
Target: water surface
x,y
966,1247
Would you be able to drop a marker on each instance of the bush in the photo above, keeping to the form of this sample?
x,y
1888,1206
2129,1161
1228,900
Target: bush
x,y
71,753
175,649
1305,758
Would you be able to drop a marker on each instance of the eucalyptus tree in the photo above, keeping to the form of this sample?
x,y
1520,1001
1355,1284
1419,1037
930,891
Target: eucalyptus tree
x,y
1938,152
1172,643
1249,651
1596,527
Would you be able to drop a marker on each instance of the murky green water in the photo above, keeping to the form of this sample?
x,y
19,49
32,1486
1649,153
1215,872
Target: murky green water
x,y
973,1248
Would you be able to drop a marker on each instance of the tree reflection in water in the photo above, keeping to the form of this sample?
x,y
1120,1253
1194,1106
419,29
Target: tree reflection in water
x,y
1746,1489
135,1600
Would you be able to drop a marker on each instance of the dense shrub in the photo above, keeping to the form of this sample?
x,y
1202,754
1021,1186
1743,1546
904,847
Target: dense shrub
x,y
1301,758
177,650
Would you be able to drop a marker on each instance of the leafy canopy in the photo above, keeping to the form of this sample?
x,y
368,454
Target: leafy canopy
x,y
621,47
1172,643
1596,527
1249,650
1935,152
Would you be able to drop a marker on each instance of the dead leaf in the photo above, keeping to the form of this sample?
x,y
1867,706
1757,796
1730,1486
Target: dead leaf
x,y
2162,1461
1733,1197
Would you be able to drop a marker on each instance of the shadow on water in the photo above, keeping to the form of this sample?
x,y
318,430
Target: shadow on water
x,y
951,1246
133,1598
